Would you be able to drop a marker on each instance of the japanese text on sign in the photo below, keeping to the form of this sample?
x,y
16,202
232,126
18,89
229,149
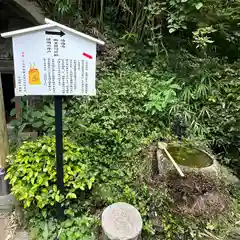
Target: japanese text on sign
x,y
54,64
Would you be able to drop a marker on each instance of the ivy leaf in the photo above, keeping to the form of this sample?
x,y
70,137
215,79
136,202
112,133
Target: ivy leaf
x,y
71,195
57,198
171,30
13,112
27,204
89,185
199,5
15,123
175,86
37,124
37,114
55,188
45,232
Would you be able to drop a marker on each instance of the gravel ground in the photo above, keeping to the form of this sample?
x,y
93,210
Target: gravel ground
x,y
21,236
8,228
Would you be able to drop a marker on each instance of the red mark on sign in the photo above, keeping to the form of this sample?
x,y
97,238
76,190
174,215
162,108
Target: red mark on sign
x,y
87,55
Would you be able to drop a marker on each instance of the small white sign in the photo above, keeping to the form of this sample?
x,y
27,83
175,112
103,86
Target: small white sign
x,y
54,62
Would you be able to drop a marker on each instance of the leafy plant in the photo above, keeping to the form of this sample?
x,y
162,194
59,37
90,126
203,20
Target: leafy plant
x,y
37,118
116,118
176,65
200,37
32,173
164,95
83,227
34,119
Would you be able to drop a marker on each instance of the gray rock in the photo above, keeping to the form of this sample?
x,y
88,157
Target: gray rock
x,y
6,203
121,221
227,175
215,170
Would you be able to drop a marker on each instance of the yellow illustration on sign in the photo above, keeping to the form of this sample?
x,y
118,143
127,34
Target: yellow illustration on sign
x,y
34,76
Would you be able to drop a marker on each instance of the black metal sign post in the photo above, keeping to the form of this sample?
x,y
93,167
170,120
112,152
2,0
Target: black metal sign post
x,y
59,152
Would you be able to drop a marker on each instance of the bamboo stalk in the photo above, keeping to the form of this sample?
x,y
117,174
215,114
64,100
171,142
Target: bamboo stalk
x,y
101,15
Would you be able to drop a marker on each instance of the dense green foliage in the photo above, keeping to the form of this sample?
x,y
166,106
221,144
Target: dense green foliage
x,y
110,148
33,174
170,69
76,228
207,102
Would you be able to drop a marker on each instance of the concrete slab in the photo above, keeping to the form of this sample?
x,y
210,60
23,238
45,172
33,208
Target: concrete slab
x,y
2,228
6,203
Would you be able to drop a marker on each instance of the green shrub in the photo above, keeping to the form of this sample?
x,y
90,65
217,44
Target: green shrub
x,y
208,103
32,173
116,118
34,119
163,96
83,227
40,118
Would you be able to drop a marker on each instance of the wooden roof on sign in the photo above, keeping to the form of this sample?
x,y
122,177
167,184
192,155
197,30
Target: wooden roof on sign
x,y
51,24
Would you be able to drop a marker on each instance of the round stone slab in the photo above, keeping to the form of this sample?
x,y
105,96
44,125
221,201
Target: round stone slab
x,y
121,221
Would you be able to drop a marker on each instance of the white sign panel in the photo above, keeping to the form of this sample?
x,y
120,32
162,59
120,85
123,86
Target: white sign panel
x,y
54,62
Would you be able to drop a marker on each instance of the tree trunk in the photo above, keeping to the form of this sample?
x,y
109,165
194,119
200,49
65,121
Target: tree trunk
x,y
4,148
